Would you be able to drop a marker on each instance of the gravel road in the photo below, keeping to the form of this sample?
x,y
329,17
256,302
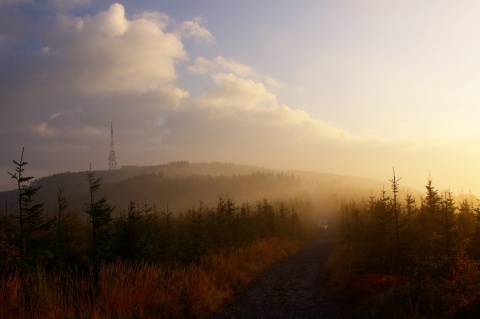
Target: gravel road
x,y
294,288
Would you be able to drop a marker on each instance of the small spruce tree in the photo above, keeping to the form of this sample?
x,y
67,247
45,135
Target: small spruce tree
x,y
30,216
100,213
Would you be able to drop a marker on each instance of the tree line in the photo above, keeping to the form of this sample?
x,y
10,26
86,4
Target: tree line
x,y
410,257
62,239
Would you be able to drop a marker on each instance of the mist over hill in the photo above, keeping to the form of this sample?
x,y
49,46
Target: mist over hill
x,y
179,186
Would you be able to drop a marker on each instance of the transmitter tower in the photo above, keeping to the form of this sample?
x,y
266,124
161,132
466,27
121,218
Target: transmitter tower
x,y
112,160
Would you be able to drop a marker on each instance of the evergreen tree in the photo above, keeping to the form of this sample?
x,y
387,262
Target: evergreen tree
x,y
448,238
245,228
167,233
396,209
23,200
351,222
410,206
30,217
467,227
281,224
296,230
66,238
466,220
129,239
424,262
100,213
382,238
266,219
429,220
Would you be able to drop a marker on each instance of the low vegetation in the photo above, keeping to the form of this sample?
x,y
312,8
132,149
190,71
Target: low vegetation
x,y
140,290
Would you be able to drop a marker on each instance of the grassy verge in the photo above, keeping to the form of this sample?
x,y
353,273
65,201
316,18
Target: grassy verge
x,y
142,290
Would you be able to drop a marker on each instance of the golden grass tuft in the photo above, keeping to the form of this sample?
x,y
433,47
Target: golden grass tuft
x,y
143,290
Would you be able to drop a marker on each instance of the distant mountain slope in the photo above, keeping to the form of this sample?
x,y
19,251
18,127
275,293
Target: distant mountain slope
x,y
182,185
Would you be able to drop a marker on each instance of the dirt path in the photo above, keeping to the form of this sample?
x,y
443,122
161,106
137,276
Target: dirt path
x,y
295,288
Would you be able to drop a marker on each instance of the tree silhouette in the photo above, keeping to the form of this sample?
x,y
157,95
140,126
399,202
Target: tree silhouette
x,y
100,213
23,200
129,240
30,215
66,236
396,210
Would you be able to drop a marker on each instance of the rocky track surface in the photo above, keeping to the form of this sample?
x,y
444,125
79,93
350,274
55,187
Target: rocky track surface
x,y
295,288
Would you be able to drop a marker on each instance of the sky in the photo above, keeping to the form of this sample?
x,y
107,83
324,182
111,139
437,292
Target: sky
x,y
351,87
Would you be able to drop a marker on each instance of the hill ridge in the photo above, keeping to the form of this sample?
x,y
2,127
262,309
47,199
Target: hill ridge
x,y
183,184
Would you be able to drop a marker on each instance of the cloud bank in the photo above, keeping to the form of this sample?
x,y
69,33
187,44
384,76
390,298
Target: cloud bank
x,y
60,93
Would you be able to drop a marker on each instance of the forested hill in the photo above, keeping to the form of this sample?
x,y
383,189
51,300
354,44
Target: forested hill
x,y
183,185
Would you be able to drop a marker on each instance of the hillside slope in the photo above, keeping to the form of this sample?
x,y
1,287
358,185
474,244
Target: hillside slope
x,y
183,185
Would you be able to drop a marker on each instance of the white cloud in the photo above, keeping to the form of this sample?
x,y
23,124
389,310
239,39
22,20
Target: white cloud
x,y
113,22
108,52
246,96
201,66
160,19
248,101
234,92
219,64
194,29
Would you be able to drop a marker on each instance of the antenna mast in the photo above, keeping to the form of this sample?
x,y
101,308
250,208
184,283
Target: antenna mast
x,y
112,161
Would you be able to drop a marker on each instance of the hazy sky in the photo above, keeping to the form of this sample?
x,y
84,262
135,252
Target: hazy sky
x,y
348,87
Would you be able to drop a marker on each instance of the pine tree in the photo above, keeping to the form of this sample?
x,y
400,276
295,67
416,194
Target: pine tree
x,y
282,222
448,233
100,213
429,220
129,240
396,209
466,219
66,246
30,216
410,205
22,199
382,238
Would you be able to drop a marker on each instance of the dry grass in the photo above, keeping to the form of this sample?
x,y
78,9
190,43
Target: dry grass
x,y
142,290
